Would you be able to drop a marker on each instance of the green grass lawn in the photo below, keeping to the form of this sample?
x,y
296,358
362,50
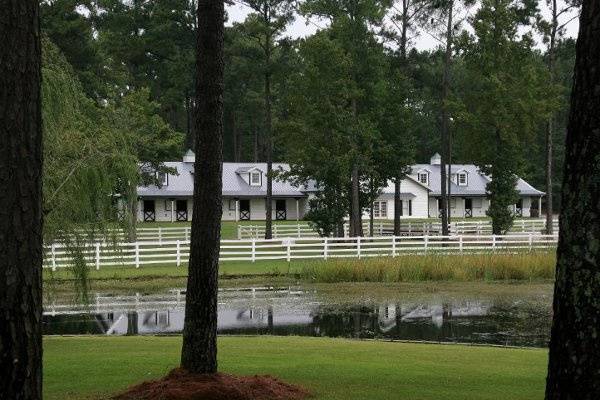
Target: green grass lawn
x,y
94,367
150,271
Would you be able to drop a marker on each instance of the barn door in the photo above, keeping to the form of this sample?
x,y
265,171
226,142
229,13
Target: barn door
x,y
149,211
181,210
245,210
280,210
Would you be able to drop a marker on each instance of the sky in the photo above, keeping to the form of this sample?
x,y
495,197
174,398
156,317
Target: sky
x,y
302,27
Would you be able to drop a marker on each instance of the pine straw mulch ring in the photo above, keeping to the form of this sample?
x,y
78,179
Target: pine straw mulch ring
x,y
180,384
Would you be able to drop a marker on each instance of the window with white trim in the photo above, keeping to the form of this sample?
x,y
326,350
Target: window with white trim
x,y
255,178
423,177
231,205
380,209
162,178
462,179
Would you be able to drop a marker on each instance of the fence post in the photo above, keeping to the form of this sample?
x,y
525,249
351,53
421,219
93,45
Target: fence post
x,y
187,236
358,246
275,235
178,254
239,232
289,250
53,249
460,243
298,228
137,254
493,242
426,243
159,236
393,246
325,247
530,241
97,256
253,249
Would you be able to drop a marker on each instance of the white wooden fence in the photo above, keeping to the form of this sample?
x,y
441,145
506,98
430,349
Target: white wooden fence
x,y
177,252
408,228
279,231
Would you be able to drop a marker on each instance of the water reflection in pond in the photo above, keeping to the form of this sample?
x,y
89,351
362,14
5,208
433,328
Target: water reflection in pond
x,y
292,311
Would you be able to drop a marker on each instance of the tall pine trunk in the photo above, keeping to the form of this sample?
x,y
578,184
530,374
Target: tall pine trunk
x,y
199,351
445,125
397,208
574,363
403,46
550,125
355,216
20,201
269,145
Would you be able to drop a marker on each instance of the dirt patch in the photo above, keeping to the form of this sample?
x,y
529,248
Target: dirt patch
x,y
182,385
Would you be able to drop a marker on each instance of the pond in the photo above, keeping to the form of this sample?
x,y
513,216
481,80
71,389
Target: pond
x,y
514,320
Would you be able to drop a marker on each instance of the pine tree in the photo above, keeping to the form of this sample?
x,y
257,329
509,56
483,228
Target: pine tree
x,y
199,351
574,364
21,201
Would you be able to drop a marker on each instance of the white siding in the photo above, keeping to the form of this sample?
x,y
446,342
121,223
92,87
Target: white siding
x,y
418,199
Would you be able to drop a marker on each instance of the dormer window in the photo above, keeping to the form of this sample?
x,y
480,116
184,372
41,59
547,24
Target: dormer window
x,y
462,179
255,179
423,177
162,178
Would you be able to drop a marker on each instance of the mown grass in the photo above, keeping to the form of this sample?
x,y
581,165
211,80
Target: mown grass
x,y
80,368
417,268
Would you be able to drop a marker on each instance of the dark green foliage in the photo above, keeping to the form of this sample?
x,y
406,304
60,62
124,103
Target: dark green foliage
x,y
327,212
502,193
507,96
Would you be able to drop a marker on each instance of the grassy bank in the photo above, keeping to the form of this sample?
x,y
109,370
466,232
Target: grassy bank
x,y
407,268
92,367
416,268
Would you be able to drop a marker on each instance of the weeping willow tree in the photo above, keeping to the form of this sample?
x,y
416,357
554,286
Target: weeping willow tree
x,y
85,159
94,159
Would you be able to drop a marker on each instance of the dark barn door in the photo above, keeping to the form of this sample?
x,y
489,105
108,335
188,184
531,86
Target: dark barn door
x,y
468,208
149,211
245,210
181,210
280,210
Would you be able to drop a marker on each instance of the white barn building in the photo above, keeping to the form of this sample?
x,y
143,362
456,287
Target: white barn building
x,y
244,193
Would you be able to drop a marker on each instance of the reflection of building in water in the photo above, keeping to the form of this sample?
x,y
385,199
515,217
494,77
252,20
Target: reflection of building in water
x,y
171,321
289,312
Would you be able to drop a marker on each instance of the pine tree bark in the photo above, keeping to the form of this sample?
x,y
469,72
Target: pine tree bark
x,y
20,201
268,133
269,140
355,216
397,208
550,126
199,351
403,46
445,177
574,363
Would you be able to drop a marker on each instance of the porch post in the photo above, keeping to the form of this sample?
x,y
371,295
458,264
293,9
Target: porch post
x,y
172,206
539,207
237,209
297,211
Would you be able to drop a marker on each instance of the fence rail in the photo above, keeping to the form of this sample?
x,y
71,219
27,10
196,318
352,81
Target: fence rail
x,y
408,228
176,252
